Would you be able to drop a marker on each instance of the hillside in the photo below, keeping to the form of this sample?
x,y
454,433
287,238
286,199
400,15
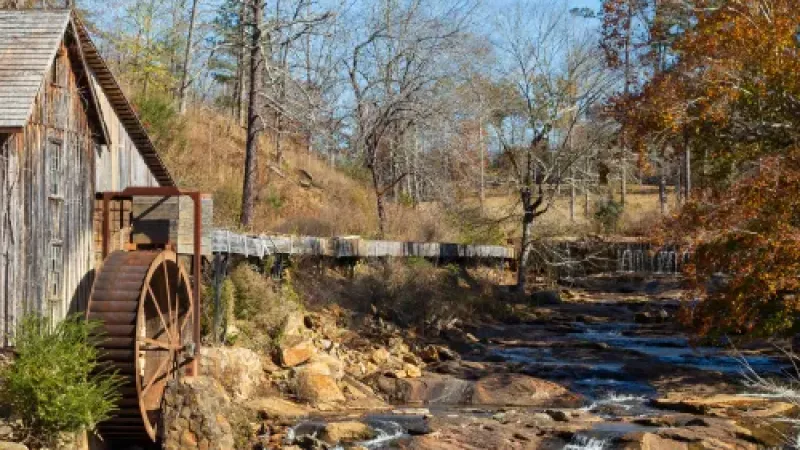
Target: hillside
x,y
304,195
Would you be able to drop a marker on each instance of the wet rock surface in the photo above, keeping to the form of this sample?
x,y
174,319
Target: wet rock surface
x,y
591,370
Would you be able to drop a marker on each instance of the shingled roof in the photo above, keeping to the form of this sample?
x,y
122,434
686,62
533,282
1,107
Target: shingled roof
x,y
28,44
29,40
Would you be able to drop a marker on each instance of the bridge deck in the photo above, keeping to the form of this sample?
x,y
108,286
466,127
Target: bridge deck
x,y
228,242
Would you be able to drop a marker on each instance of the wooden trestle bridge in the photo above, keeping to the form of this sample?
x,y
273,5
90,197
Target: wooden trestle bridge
x,y
349,247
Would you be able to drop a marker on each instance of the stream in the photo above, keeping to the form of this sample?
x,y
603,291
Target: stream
x,y
617,364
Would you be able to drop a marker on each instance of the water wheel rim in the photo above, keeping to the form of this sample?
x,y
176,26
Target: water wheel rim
x,y
150,392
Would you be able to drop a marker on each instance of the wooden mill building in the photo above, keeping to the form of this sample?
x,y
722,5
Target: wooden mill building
x,y
67,132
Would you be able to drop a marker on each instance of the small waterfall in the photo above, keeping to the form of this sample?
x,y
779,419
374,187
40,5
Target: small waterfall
x,y
633,259
638,260
667,261
581,442
625,263
386,432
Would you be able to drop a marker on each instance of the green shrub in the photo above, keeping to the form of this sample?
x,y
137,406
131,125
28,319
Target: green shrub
x,y
162,120
607,214
226,300
56,384
274,199
417,262
260,307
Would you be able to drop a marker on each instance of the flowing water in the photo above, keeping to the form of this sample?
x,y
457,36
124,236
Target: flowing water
x,y
612,364
582,442
615,366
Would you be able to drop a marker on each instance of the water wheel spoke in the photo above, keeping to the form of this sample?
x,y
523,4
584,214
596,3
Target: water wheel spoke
x,y
153,298
189,315
161,370
178,283
168,293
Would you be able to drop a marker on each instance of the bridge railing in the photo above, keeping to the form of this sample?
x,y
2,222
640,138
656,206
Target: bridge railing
x,y
228,242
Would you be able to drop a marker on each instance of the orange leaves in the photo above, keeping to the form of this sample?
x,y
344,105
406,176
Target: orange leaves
x,y
733,90
751,233
738,59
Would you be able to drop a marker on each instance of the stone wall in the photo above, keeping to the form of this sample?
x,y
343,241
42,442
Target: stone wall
x,y
194,416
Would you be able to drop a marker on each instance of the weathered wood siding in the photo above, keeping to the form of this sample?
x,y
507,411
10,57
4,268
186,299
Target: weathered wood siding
x,y
120,164
171,220
47,175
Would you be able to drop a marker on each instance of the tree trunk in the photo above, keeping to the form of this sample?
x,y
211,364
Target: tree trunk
x,y
379,202
662,191
572,195
525,244
687,161
187,58
254,125
482,150
278,137
678,188
241,70
586,208
279,119
623,182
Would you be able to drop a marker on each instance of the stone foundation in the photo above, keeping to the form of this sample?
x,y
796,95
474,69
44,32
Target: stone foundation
x,y
194,416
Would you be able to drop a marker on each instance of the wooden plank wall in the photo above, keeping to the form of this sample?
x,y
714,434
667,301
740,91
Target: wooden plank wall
x,y
161,220
29,223
120,227
120,164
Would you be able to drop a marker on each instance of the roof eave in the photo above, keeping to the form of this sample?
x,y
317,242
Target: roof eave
x,y
121,105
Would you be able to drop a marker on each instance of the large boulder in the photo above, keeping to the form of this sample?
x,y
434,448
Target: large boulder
x,y
293,325
337,432
295,350
277,408
522,390
194,415
650,441
239,370
428,389
325,364
359,395
493,390
720,404
380,356
434,353
316,388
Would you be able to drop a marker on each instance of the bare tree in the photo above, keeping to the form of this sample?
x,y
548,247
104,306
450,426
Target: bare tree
x,y
555,79
187,58
396,63
265,38
255,122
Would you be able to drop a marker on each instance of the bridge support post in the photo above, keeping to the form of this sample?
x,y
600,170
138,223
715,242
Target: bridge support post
x,y
220,273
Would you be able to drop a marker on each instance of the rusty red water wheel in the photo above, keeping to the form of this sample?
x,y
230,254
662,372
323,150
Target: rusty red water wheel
x,y
144,301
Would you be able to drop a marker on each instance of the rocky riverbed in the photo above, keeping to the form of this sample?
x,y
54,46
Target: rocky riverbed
x,y
590,370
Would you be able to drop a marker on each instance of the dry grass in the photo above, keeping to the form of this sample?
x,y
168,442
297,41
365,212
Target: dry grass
x,y
333,203
641,214
412,293
339,203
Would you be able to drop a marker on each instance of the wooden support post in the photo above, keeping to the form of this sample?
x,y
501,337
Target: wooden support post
x,y
218,278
